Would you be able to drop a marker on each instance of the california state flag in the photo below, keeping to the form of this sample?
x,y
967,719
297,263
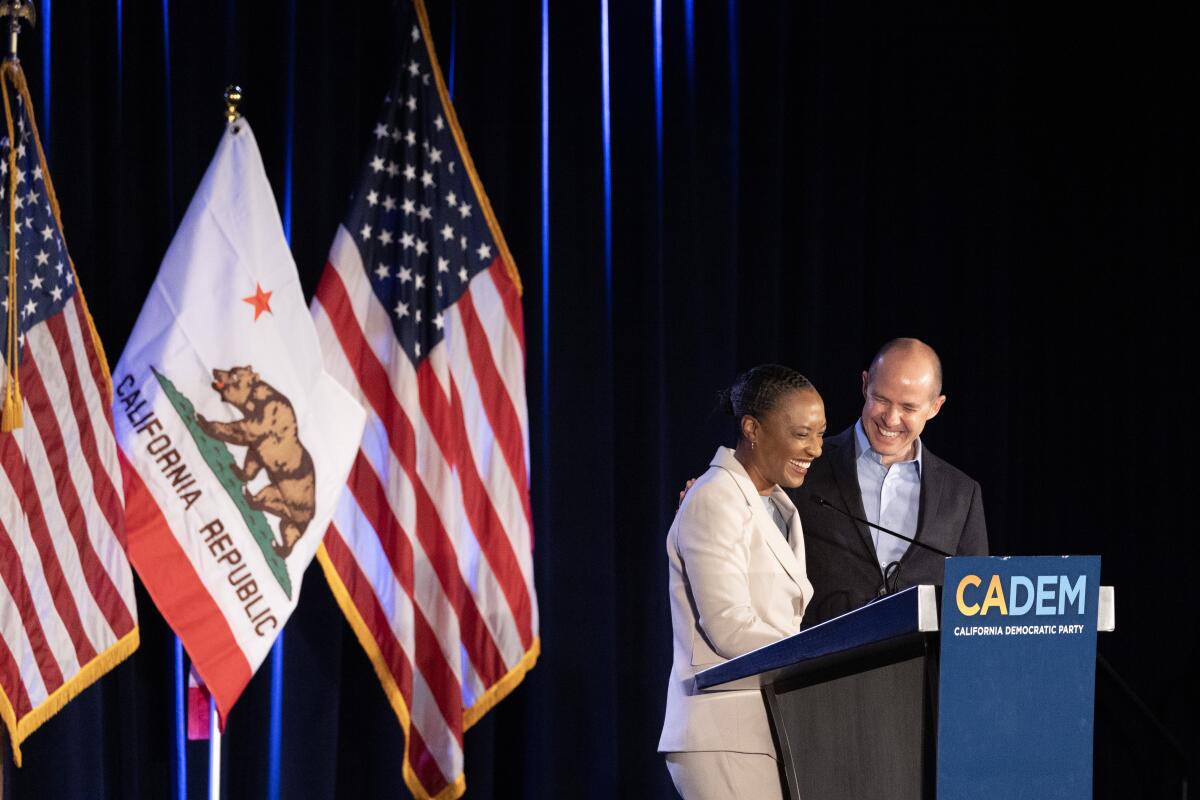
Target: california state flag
x,y
235,441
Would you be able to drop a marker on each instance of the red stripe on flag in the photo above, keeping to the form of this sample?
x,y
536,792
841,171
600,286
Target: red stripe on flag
x,y
424,764
446,421
102,487
199,706
18,588
490,531
31,505
376,620
14,686
438,416
373,379
372,612
179,594
372,499
510,297
99,582
364,484
94,358
493,394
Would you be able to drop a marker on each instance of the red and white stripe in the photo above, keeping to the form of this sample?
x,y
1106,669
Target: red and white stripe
x,y
199,707
432,540
63,570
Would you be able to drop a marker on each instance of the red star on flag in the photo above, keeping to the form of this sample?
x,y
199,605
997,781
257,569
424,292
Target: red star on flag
x,y
260,300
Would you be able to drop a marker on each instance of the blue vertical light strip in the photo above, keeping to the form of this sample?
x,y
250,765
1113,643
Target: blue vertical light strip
x,y
735,131
120,11
545,259
734,59
275,734
658,339
606,136
44,118
658,107
170,127
689,42
453,45
290,123
180,725
120,42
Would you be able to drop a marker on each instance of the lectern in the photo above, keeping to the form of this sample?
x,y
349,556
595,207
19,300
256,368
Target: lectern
x,y
993,698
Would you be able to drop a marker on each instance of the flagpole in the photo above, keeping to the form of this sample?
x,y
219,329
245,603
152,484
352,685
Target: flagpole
x,y
214,752
232,97
16,10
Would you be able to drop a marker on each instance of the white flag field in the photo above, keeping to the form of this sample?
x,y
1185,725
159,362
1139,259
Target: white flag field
x,y
236,442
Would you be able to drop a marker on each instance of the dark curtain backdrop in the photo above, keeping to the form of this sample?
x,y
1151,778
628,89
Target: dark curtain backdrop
x,y
1015,185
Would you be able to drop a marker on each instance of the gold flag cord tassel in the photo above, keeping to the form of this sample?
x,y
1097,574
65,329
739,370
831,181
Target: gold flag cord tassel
x,y
11,418
14,72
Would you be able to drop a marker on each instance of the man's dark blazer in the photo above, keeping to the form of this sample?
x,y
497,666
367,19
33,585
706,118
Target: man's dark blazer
x,y
842,565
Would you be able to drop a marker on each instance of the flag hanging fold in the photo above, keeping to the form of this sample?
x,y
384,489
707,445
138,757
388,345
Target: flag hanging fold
x,y
236,441
198,703
419,313
67,611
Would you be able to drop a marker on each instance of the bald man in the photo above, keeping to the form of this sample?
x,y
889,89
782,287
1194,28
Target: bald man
x,y
878,469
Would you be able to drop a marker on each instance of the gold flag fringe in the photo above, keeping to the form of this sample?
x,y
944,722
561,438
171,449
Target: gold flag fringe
x,y
19,730
458,784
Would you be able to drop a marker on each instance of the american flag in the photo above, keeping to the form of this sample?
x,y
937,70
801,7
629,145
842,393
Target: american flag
x,y
67,612
419,315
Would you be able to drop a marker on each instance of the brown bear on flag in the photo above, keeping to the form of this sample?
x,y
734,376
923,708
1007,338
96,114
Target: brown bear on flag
x,y
268,430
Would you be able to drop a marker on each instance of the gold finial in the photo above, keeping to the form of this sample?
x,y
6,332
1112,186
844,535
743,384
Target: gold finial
x,y
16,10
233,96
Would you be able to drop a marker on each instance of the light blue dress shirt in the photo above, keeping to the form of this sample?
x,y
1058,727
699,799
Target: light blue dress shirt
x,y
777,517
891,496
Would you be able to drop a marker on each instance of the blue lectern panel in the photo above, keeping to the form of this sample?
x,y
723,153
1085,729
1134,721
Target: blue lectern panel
x,y
886,618
1018,677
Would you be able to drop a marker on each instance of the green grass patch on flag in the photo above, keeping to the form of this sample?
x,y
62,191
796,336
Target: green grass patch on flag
x,y
220,461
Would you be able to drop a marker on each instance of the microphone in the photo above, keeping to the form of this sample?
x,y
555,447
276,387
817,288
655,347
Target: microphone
x,y
821,501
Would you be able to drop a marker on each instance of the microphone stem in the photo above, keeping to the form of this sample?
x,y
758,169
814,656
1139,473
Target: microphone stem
x,y
821,501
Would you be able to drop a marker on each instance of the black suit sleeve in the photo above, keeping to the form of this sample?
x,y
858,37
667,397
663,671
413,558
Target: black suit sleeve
x,y
974,541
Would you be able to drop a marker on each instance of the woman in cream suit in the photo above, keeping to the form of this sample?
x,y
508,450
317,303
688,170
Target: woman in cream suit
x,y
737,582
